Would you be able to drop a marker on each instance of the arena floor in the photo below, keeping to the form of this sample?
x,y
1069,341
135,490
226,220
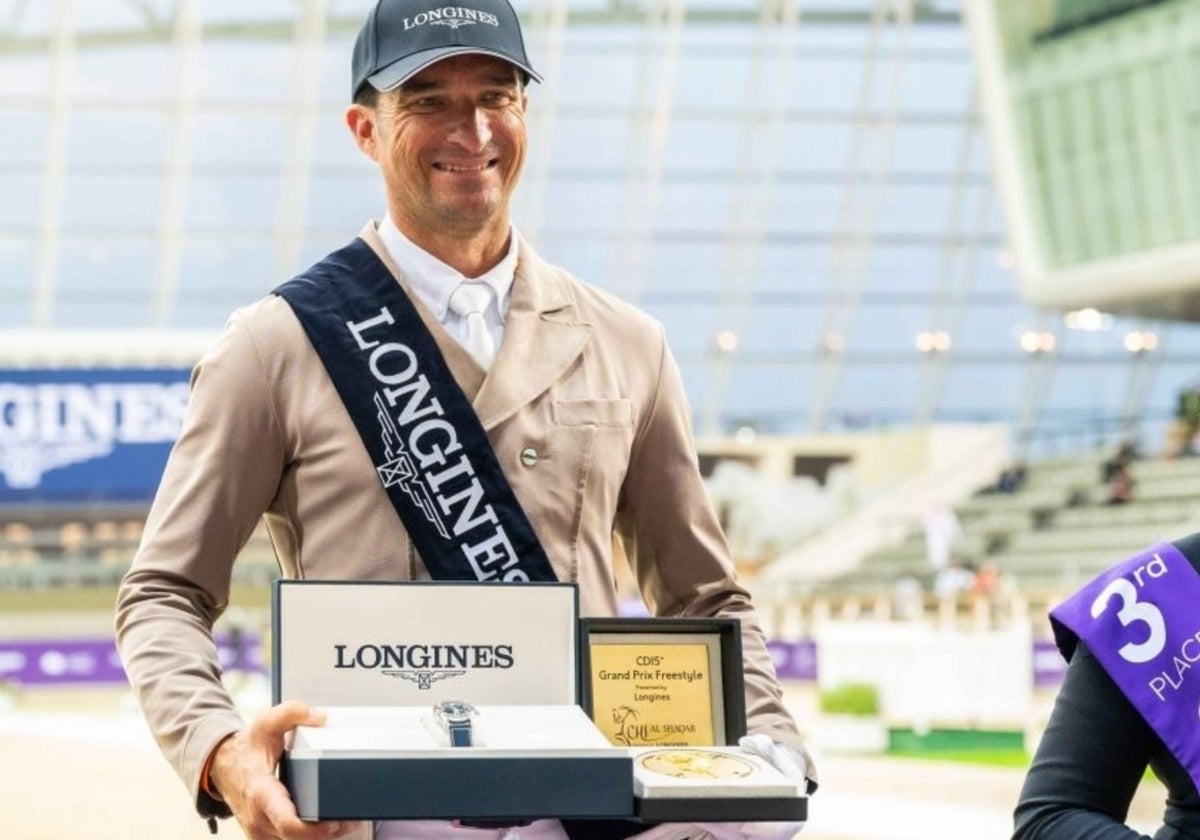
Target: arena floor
x,y
97,775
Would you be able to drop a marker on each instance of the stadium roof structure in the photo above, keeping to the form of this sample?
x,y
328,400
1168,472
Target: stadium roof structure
x,y
800,190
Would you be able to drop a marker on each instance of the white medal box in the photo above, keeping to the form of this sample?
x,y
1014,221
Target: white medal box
x,y
712,784
378,656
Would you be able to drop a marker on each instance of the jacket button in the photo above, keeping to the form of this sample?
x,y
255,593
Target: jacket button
x,y
529,456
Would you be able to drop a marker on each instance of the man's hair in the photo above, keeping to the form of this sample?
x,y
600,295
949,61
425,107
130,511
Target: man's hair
x,y
367,96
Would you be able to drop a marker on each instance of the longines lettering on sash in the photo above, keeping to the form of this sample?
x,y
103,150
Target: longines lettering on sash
x,y
425,458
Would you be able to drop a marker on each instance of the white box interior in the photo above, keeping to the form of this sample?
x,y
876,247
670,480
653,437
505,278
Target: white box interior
x,y
411,732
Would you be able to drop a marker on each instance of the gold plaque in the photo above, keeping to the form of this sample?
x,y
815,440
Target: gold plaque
x,y
649,694
664,682
696,764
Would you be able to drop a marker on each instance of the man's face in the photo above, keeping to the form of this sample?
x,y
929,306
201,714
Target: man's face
x,y
451,142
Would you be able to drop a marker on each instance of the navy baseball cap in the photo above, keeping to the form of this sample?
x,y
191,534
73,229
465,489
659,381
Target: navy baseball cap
x,y
400,38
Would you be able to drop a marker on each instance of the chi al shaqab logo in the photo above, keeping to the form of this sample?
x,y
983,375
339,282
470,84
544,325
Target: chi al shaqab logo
x,y
47,426
422,664
629,732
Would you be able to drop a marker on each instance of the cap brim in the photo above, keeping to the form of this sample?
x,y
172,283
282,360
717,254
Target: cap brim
x,y
399,72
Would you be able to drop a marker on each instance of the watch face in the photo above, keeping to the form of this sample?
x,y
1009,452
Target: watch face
x,y
696,764
455,709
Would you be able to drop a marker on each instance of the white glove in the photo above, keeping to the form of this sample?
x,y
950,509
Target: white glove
x,y
788,761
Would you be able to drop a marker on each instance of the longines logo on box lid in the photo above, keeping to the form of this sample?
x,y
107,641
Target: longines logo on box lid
x,y
392,643
423,664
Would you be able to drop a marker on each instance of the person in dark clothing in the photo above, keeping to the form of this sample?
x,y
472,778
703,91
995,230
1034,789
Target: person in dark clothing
x,y
1091,759
1013,478
1187,418
1094,754
1125,455
1120,486
1117,475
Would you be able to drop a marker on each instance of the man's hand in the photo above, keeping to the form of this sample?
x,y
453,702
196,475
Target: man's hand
x,y
243,773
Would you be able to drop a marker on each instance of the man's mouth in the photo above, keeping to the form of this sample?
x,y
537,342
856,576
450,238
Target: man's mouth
x,y
462,167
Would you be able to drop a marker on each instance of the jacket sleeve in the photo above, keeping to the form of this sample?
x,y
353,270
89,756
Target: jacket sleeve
x,y
220,477
1089,763
678,553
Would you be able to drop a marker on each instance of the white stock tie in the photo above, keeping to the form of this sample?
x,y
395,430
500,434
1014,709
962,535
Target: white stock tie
x,y
470,301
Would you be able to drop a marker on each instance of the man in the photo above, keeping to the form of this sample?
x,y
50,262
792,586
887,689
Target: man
x,y
580,401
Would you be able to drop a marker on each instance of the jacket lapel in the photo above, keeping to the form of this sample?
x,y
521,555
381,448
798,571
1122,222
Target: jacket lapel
x,y
542,339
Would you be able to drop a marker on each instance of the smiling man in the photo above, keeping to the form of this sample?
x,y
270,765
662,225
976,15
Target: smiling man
x,y
431,401
450,143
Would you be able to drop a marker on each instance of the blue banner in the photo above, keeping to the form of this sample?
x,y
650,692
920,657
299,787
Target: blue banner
x,y
87,435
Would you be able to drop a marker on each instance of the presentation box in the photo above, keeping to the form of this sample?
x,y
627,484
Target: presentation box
x,y
534,681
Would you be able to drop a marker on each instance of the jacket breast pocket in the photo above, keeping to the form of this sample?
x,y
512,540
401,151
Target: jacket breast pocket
x,y
615,413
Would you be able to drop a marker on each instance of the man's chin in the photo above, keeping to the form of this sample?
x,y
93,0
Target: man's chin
x,y
472,217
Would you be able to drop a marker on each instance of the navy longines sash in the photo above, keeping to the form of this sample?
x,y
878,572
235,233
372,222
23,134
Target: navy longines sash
x,y
1140,620
428,447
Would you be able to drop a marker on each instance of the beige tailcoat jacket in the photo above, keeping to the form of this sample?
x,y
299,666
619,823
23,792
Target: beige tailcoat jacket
x,y
584,380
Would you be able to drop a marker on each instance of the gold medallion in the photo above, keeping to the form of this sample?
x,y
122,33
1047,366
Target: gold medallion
x,y
696,764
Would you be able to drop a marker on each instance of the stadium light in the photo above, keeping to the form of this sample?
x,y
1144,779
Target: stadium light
x,y
1037,342
726,341
933,341
1088,320
1141,341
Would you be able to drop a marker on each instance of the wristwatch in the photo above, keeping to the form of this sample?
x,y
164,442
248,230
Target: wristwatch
x,y
455,717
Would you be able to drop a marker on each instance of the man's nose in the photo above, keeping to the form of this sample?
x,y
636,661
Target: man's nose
x,y
472,130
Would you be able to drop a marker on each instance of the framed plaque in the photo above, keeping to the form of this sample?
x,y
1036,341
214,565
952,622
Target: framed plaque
x,y
663,682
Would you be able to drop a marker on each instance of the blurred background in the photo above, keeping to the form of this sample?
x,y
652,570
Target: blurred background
x,y
931,269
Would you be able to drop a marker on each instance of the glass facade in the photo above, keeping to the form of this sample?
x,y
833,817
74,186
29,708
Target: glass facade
x,y
811,177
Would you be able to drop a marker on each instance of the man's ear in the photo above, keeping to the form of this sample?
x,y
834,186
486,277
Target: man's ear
x,y
361,121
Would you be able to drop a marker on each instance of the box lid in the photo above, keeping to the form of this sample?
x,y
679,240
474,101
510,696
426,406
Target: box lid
x,y
362,643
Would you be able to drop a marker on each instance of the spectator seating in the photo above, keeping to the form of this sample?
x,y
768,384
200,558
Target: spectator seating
x,y
1053,534
49,549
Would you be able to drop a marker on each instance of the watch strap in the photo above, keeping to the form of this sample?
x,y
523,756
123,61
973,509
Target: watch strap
x,y
460,733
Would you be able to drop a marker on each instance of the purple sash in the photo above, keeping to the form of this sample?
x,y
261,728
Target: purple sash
x,y
1141,620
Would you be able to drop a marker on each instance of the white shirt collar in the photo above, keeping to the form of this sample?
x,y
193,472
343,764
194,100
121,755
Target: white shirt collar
x,y
434,281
